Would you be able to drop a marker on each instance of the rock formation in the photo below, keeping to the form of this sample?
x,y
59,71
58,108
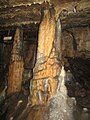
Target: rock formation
x,y
47,68
16,65
49,34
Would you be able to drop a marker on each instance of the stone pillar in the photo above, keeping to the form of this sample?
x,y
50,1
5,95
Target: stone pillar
x,y
16,64
44,83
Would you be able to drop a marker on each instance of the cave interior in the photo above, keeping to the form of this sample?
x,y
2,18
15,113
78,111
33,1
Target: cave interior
x,y
44,60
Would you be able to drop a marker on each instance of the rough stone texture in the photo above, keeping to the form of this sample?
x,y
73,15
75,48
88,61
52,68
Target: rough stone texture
x,y
19,2
16,65
75,43
44,82
62,107
22,13
78,81
76,58
70,6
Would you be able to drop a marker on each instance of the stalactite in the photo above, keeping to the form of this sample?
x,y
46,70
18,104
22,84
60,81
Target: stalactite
x,y
47,69
16,64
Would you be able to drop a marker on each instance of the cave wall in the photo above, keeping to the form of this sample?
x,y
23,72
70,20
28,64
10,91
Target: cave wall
x,y
75,42
76,59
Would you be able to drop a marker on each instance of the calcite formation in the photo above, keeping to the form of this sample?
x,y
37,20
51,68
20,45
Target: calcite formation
x,y
16,65
47,68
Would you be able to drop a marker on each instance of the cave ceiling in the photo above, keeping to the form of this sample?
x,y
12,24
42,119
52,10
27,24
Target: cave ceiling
x,y
54,2
31,1
26,12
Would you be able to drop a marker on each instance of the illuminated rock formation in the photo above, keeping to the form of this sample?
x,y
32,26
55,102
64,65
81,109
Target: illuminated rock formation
x,y
47,68
16,65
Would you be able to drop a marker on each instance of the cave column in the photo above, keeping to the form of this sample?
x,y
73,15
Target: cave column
x,y
16,64
46,71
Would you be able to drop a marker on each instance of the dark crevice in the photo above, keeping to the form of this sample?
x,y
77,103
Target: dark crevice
x,y
5,53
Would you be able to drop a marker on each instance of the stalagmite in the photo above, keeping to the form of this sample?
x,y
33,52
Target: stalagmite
x,y
16,64
47,69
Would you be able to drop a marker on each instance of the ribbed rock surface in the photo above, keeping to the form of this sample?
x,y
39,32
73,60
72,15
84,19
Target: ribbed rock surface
x,y
46,71
16,65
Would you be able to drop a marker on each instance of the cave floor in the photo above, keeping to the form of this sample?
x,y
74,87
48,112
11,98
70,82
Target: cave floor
x,y
61,107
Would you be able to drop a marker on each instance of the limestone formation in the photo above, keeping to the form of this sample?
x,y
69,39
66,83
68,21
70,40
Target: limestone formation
x,y
16,65
47,67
